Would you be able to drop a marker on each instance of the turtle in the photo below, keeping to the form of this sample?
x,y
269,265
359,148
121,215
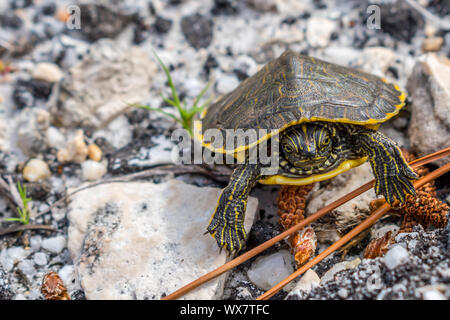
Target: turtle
x,y
324,119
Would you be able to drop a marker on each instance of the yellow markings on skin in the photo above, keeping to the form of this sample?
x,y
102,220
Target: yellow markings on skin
x,y
320,135
230,198
304,129
293,143
344,166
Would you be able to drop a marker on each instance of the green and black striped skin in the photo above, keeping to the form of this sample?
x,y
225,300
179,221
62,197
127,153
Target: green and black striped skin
x,y
324,114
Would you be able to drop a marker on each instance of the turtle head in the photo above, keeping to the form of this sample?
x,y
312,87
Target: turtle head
x,y
307,145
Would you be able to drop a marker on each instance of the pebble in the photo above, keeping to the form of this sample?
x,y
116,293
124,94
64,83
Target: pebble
x,y
9,257
35,170
226,83
309,280
27,267
226,7
68,276
94,152
93,170
343,293
245,65
40,258
319,31
433,295
76,150
55,139
267,271
35,242
263,5
432,44
162,25
49,72
338,267
198,30
396,256
55,244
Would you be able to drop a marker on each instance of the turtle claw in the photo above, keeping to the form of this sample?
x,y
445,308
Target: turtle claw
x,y
230,238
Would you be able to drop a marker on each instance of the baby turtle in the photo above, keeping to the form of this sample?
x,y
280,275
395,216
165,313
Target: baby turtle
x,y
325,118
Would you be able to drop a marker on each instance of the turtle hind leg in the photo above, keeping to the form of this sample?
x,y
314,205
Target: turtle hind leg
x,y
392,173
227,222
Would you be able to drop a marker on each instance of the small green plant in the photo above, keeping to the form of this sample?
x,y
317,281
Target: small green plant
x,y
185,114
24,214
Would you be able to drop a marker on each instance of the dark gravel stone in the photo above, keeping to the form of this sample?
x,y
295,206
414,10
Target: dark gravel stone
x,y
23,96
439,7
26,91
399,20
198,30
17,4
10,20
210,63
225,7
175,2
49,9
99,21
162,25
289,20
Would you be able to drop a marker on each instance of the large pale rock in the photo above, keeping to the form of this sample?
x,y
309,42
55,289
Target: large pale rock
x,y
99,88
142,240
429,87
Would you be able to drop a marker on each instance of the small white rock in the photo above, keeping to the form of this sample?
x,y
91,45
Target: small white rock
x,y
227,83
345,265
36,170
76,150
27,267
69,277
267,271
319,31
55,244
309,280
396,256
343,293
40,259
35,242
9,257
49,72
93,170
55,138
433,295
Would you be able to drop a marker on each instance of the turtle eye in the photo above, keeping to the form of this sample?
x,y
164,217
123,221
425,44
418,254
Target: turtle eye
x,y
287,148
326,141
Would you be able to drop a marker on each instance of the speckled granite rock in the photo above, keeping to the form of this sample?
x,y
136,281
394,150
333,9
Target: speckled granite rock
x,y
145,240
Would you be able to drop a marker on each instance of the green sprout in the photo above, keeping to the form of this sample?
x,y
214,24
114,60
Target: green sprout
x,y
24,214
186,115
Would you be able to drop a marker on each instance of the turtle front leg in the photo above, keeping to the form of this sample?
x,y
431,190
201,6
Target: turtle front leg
x,y
227,222
392,173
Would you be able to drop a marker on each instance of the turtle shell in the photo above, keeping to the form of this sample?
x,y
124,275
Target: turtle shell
x,y
295,88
